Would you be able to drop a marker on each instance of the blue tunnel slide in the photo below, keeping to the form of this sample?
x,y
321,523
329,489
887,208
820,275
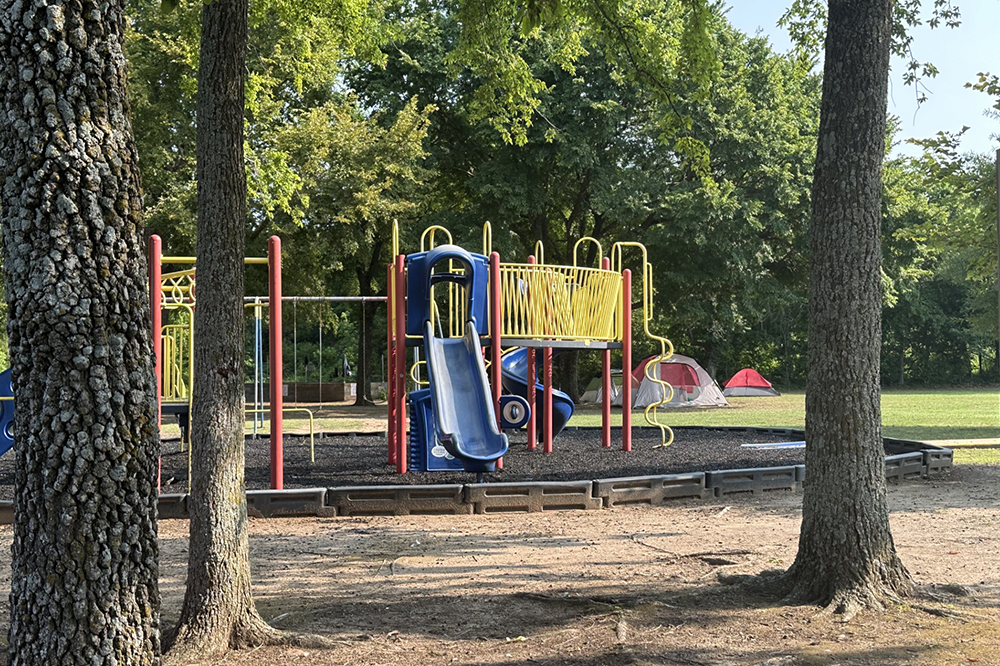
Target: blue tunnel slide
x,y
514,373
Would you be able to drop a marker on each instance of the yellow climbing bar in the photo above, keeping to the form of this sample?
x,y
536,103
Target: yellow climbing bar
x,y
428,243
593,241
666,347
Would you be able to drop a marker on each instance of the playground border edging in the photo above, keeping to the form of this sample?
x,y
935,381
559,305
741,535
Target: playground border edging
x,y
906,459
753,480
440,499
650,489
531,496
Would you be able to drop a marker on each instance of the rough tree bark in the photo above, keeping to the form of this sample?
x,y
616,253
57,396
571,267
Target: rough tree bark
x,y
846,558
218,611
366,274
84,580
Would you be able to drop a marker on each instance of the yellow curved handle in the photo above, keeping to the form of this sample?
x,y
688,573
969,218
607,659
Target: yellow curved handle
x,y
666,347
589,239
413,374
430,230
539,252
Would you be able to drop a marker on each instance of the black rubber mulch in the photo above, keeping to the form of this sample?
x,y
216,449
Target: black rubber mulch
x,y
360,460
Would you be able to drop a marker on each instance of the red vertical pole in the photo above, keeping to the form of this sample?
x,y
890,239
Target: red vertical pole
x,y
495,331
626,360
390,374
274,363
547,385
156,327
401,448
606,384
532,397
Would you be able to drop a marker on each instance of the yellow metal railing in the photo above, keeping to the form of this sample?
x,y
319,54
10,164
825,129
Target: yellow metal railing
x,y
312,429
558,302
178,287
176,360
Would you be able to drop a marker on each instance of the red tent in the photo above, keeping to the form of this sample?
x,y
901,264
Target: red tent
x,y
692,387
749,382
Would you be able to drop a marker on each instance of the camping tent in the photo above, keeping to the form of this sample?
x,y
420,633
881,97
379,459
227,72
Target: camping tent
x,y
749,382
593,392
692,385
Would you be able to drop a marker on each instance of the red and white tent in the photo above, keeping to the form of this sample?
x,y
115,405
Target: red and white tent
x,y
748,382
693,387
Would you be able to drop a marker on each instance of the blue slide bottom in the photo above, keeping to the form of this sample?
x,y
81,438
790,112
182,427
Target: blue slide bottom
x,y
514,373
464,417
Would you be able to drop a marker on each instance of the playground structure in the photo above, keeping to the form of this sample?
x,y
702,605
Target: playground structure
x,y
175,292
457,421
444,301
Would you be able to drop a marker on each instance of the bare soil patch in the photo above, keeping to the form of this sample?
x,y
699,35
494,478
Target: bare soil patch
x,y
604,588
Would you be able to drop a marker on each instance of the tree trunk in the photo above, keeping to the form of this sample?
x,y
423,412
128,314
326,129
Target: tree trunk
x,y
569,374
846,558
367,321
84,557
902,364
218,611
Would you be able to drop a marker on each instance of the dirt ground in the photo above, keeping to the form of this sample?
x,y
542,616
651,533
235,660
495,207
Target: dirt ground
x,y
634,585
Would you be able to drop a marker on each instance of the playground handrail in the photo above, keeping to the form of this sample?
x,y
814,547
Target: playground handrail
x,y
594,241
666,347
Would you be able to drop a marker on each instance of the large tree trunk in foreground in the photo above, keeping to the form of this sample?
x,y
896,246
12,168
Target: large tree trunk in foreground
x,y
218,611
84,580
846,558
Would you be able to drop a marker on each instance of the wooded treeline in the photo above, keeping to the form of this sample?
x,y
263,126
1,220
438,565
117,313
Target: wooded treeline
x,y
356,118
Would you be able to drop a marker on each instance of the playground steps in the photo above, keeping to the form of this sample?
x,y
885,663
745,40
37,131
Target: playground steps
x,y
174,505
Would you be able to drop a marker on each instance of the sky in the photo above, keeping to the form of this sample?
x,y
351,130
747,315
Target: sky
x,y
958,53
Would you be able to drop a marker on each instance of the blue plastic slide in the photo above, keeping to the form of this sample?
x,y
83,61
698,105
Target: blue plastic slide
x,y
6,413
514,373
464,418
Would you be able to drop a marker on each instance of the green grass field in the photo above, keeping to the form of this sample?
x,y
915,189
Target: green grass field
x,y
919,414
943,415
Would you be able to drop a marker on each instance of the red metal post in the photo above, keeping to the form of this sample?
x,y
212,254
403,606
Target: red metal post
x,y
606,384
547,397
626,360
532,397
156,327
401,443
275,363
495,330
390,368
